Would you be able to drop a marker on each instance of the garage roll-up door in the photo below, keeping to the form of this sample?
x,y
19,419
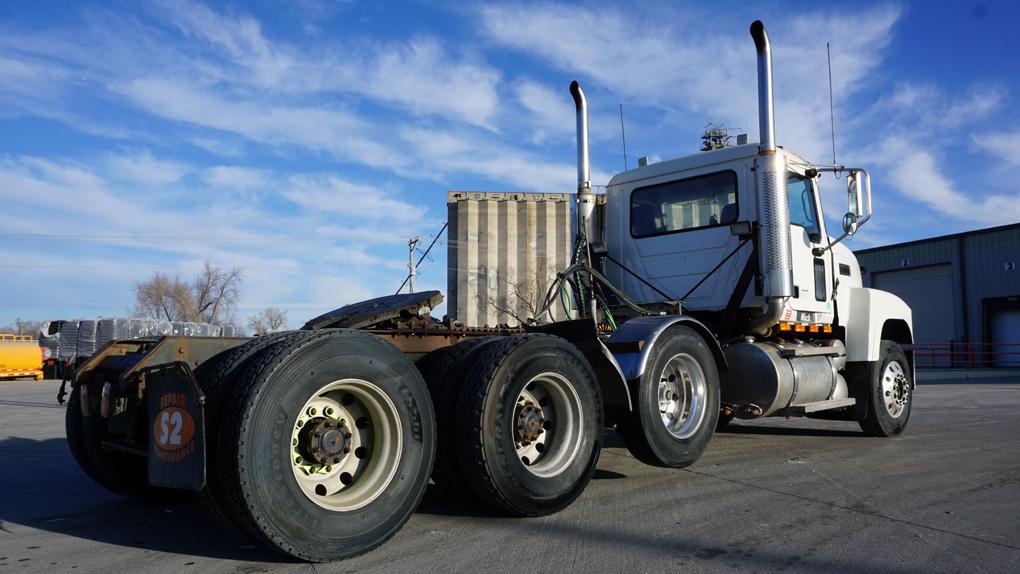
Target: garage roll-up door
x,y
929,292
1006,334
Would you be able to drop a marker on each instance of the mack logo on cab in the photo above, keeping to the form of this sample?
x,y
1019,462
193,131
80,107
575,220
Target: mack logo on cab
x,y
173,429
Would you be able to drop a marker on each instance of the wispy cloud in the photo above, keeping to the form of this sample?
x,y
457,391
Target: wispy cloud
x,y
675,62
1003,145
917,173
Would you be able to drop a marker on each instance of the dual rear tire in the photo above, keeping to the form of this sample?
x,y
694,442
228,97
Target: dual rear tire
x,y
324,444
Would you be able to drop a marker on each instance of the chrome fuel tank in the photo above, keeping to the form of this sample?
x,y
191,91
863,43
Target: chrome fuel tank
x,y
774,376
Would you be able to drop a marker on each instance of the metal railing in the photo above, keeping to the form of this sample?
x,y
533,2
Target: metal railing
x,y
962,355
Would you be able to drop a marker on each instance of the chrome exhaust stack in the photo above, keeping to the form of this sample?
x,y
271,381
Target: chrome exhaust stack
x,y
776,250
585,196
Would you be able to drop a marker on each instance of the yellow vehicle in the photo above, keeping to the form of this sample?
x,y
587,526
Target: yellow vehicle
x,y
20,356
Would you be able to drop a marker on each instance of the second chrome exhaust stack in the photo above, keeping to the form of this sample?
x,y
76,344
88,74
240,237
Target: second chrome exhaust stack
x,y
585,196
776,262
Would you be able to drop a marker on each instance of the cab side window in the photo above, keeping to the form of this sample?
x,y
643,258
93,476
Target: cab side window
x,y
802,206
694,203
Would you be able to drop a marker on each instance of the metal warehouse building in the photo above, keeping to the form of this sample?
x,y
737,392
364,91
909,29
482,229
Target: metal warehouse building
x,y
964,290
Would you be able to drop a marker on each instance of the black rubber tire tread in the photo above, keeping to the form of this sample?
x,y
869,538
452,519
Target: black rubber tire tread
x,y
73,427
877,421
642,427
478,469
444,371
119,472
216,387
235,415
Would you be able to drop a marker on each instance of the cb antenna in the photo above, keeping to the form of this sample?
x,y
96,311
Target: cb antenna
x,y
832,109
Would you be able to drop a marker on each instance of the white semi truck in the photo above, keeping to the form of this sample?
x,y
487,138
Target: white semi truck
x,y
714,291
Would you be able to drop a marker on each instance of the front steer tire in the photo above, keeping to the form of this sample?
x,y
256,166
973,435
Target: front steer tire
x,y
375,395
886,387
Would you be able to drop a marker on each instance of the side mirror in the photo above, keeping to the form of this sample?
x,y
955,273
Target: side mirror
x,y
849,224
854,187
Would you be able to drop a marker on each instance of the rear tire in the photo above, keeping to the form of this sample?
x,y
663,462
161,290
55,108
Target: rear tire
x,y
364,396
676,402
529,426
119,472
889,393
217,379
444,371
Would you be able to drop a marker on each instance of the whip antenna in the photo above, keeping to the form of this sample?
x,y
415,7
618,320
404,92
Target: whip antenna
x,y
832,109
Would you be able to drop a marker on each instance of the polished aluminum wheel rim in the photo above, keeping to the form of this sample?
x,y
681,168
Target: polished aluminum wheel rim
x,y
547,425
895,389
346,444
683,396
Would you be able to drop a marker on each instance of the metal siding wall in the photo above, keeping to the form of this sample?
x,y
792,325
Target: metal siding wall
x,y
983,273
504,242
935,252
986,257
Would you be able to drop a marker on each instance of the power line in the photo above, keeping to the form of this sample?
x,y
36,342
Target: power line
x,y
189,238
423,256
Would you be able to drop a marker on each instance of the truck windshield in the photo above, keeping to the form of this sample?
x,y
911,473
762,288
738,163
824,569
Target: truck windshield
x,y
802,205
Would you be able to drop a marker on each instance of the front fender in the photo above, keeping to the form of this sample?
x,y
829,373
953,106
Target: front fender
x,y
869,310
633,341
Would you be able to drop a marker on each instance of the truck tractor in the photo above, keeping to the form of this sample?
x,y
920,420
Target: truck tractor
x,y
713,291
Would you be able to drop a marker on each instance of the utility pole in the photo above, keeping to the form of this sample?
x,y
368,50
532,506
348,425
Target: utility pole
x,y
411,243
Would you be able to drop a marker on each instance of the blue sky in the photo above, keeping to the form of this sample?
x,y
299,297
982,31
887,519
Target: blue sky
x,y
305,141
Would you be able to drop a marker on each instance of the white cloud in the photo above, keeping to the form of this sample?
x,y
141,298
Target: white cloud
x,y
319,128
234,177
678,63
1004,145
416,74
917,173
142,168
926,107
551,111
331,194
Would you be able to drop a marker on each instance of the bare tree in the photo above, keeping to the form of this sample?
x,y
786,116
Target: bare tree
x,y
270,320
163,297
215,294
523,301
210,298
22,327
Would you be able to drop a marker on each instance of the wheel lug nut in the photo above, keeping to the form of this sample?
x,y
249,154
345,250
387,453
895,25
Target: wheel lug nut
x,y
328,411
299,460
336,459
312,411
347,450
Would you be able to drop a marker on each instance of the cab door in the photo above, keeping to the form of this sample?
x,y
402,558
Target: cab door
x,y
812,276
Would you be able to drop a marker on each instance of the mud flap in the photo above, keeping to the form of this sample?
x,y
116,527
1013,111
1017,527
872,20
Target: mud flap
x,y
176,425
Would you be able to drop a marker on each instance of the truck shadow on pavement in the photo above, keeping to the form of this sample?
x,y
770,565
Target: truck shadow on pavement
x,y
44,489
744,429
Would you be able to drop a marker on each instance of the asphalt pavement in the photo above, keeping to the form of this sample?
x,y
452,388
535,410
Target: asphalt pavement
x,y
776,495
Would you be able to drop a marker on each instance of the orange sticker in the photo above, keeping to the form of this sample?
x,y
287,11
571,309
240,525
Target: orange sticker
x,y
173,429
